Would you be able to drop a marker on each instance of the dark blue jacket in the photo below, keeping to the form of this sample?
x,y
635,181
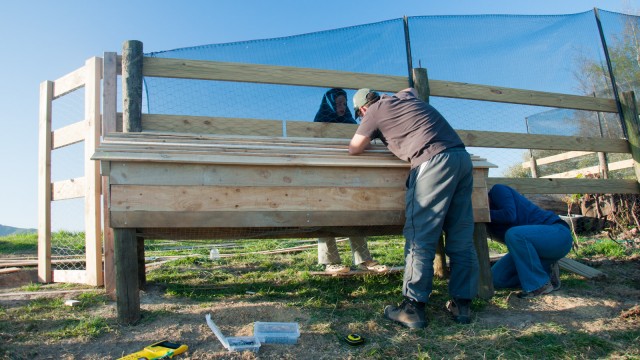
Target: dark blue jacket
x,y
509,208
327,111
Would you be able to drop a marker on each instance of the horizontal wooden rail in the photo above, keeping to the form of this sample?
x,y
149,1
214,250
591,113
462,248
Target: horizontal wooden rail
x,y
618,165
240,126
518,96
69,82
68,189
286,75
556,158
507,140
568,186
269,74
70,134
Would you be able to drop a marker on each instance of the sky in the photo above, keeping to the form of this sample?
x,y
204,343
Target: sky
x,y
44,40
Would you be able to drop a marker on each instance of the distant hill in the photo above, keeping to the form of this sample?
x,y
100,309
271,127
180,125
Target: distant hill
x,y
9,230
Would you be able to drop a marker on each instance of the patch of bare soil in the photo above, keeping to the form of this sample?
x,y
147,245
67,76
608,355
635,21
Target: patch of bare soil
x,y
599,307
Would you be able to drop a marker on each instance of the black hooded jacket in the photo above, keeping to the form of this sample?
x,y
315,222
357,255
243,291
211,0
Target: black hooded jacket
x,y
327,111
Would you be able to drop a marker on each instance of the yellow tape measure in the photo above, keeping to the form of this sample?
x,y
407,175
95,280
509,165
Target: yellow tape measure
x,y
354,339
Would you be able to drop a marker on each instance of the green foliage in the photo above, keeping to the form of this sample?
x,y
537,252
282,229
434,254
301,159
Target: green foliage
x,y
604,247
19,244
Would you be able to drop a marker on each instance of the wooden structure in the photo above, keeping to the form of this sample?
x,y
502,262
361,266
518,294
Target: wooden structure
x,y
87,130
170,146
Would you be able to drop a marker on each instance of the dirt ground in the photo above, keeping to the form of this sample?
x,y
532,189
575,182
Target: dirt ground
x,y
605,306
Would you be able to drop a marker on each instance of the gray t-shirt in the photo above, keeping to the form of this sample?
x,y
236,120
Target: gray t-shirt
x,y
411,129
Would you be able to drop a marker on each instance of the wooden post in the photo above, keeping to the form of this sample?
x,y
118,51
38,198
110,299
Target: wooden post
x,y
421,83
485,286
142,274
630,116
93,181
132,57
109,115
126,260
440,262
44,183
533,164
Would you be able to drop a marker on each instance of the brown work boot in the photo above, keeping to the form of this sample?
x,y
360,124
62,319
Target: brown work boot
x,y
460,310
544,289
409,313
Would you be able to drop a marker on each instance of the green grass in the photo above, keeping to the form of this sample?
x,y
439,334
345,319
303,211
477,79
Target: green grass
x,y
333,305
19,244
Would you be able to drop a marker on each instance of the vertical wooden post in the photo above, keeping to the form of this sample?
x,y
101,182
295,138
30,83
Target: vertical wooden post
x,y
421,84
109,115
93,181
533,164
485,282
44,182
602,157
630,116
440,262
132,57
126,260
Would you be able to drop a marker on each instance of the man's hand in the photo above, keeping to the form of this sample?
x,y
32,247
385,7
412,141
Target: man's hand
x,y
358,144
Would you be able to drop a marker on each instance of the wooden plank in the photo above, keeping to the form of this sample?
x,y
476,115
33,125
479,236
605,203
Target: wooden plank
x,y
68,189
249,159
44,182
184,219
320,130
568,186
70,134
69,82
556,158
593,170
269,74
109,93
110,118
93,181
9,270
506,140
580,269
518,96
222,174
70,276
211,125
241,199
268,233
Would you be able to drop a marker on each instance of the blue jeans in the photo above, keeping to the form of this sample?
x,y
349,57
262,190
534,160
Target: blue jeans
x,y
439,199
532,250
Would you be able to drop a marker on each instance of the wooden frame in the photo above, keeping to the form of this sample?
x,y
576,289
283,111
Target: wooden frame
x,y
87,187
123,243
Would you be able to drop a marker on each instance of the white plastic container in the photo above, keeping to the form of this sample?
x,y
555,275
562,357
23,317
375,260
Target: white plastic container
x,y
214,254
234,343
276,332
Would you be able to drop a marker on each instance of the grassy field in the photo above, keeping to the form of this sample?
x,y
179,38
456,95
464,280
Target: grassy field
x,y
327,308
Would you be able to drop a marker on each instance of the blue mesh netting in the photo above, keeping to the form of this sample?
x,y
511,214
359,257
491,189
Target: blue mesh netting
x,y
347,49
551,53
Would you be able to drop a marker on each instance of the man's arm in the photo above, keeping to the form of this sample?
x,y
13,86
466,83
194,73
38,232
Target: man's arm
x,y
358,144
